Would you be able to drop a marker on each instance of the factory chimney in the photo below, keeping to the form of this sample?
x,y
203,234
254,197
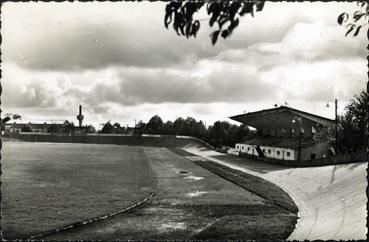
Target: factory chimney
x,y
80,116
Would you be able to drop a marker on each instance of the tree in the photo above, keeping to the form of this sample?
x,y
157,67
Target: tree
x,y
26,128
90,129
168,128
325,133
108,128
352,133
54,128
178,126
242,132
155,125
225,13
219,133
140,128
68,127
200,130
354,22
189,127
117,128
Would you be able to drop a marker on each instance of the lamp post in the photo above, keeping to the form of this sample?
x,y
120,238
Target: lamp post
x,y
299,119
336,122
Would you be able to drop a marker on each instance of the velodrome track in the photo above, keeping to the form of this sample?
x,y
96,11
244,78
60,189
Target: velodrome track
x,y
50,188
331,199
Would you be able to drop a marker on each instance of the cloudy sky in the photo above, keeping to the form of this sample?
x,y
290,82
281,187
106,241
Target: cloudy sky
x,y
121,64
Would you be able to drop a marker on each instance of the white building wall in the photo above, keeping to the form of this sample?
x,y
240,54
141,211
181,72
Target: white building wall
x,y
15,130
269,152
290,154
278,153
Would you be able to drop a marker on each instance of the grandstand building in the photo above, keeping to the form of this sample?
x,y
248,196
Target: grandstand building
x,y
284,133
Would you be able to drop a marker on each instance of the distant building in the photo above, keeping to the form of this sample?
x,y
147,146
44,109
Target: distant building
x,y
13,128
32,127
285,133
130,130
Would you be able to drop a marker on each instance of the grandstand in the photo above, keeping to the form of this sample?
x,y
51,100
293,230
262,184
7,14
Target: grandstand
x,y
285,133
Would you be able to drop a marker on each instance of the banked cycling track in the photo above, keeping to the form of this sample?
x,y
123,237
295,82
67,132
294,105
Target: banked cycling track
x,y
331,199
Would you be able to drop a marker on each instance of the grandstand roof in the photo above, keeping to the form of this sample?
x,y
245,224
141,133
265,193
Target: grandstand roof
x,y
278,117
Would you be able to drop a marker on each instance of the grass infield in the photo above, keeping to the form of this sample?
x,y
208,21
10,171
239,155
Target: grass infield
x,y
48,185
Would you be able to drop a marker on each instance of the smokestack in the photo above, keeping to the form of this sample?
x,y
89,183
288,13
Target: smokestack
x,y
80,116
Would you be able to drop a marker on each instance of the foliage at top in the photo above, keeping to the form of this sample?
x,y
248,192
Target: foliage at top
x,y
223,14
354,22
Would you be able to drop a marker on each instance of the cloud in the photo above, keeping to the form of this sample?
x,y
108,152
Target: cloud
x,y
316,41
78,36
71,41
131,86
121,63
25,93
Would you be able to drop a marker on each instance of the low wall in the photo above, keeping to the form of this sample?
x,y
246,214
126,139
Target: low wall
x,y
359,156
144,140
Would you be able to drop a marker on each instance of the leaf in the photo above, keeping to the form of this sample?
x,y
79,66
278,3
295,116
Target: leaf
x,y
182,28
233,9
342,18
351,29
210,7
188,29
195,27
214,16
357,17
357,31
222,21
225,33
176,23
167,19
234,24
214,37
260,6
247,8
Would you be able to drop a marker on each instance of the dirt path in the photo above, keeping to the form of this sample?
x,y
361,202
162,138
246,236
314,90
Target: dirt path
x,y
331,199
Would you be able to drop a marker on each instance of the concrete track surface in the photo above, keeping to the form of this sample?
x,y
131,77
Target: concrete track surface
x,y
331,199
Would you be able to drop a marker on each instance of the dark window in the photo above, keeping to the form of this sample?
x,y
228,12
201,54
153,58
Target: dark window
x,y
278,152
269,151
248,148
288,154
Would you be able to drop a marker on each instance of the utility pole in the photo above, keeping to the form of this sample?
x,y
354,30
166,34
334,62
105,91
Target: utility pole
x,y
299,119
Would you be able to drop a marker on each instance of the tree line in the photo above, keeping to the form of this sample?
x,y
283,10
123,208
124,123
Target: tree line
x,y
220,133
353,124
